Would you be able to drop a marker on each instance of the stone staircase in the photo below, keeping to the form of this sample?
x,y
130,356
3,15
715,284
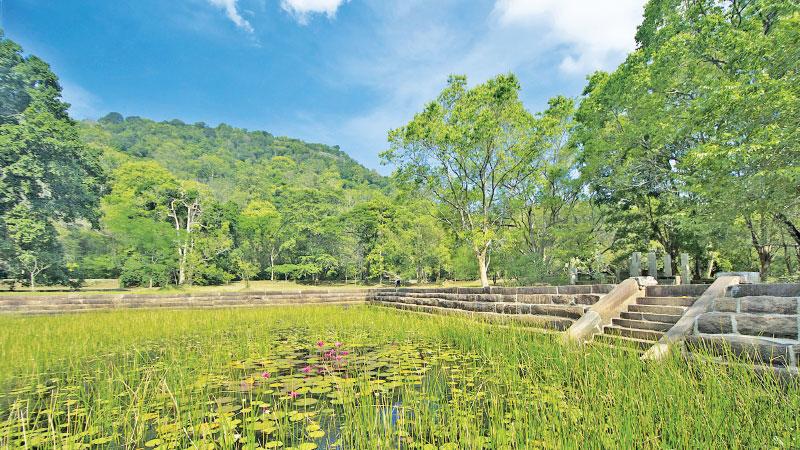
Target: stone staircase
x,y
643,322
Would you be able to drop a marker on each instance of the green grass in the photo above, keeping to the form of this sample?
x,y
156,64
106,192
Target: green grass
x,y
111,286
194,379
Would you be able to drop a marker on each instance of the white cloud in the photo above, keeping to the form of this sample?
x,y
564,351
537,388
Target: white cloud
x,y
302,9
596,32
411,47
83,104
229,6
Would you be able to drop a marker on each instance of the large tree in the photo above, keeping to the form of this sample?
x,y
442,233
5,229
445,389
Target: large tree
x,y
467,150
46,173
699,121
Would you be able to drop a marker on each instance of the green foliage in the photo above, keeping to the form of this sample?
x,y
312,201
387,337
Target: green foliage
x,y
465,150
690,145
46,173
696,132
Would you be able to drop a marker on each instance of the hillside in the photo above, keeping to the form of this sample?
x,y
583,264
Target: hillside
x,y
225,158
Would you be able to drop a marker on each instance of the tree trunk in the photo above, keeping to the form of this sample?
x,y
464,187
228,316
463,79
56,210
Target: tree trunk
x,y
482,268
763,249
182,266
790,227
271,266
33,280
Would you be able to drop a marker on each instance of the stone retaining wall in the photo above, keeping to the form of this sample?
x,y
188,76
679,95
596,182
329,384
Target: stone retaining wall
x,y
756,321
547,306
49,304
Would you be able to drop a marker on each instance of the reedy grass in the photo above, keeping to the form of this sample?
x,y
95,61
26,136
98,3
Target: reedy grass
x,y
512,387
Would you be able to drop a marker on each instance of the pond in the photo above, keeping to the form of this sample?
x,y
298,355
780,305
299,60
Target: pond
x,y
360,378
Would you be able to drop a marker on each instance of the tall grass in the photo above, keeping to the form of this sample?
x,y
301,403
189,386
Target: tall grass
x,y
134,375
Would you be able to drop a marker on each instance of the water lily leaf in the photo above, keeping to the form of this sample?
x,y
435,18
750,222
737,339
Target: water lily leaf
x,y
306,401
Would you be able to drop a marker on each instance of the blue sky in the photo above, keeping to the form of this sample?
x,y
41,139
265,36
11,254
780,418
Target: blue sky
x,y
332,71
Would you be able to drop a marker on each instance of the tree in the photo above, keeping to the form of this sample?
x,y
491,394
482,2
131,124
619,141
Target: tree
x,y
46,173
147,197
33,243
261,227
467,150
546,201
136,215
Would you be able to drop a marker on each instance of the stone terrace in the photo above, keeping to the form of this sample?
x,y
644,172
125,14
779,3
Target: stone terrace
x,y
547,306
73,302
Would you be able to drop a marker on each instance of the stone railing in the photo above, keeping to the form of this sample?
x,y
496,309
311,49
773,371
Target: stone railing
x,y
72,302
548,306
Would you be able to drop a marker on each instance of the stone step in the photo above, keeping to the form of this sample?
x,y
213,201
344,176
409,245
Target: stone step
x,y
680,290
663,318
623,342
667,301
641,324
657,309
645,335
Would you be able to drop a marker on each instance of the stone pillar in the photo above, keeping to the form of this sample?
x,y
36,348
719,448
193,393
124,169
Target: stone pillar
x,y
636,264
686,270
652,265
573,272
667,265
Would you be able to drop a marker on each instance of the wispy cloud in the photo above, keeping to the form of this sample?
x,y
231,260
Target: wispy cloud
x,y
596,32
415,44
83,104
302,10
231,11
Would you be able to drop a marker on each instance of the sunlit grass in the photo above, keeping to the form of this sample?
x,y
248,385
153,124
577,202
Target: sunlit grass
x,y
111,286
178,379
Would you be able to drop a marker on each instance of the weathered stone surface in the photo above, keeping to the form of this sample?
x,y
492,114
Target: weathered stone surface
x,y
683,290
758,350
714,323
561,299
586,299
538,290
770,305
772,325
503,290
602,288
571,312
575,289
484,307
767,289
472,290
535,298
725,304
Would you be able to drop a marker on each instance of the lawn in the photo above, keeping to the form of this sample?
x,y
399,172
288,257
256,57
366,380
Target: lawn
x,y
361,377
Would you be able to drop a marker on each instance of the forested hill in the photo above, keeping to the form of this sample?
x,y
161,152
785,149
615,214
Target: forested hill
x,y
229,160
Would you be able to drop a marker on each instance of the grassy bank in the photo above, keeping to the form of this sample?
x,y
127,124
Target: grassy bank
x,y
362,377
111,286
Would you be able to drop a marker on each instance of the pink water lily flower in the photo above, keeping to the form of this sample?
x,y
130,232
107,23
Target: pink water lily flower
x,y
338,344
320,343
293,394
345,353
266,375
307,369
